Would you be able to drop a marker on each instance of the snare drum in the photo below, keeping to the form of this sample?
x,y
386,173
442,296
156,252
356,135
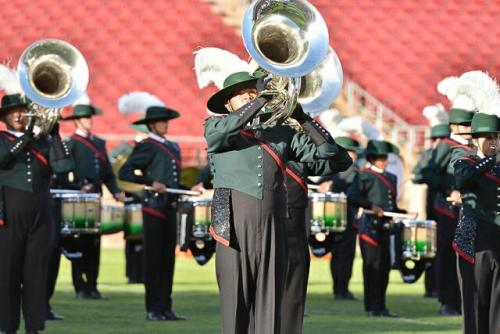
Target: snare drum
x,y
419,239
112,219
80,213
328,212
133,226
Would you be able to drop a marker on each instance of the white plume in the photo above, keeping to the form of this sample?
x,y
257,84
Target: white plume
x,y
483,90
9,82
435,114
84,99
213,65
137,102
454,89
447,86
359,126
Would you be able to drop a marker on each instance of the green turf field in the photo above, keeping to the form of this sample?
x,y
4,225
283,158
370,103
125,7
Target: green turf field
x,y
195,296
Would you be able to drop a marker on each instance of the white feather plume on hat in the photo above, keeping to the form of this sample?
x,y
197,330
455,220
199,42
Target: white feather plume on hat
x,y
483,90
137,102
449,87
9,81
435,114
359,126
84,99
214,65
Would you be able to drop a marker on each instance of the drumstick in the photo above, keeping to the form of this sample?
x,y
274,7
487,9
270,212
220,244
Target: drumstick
x,y
313,186
176,191
392,214
64,191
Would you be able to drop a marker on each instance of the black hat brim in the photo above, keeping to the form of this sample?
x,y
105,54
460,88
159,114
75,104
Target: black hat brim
x,y
173,115
217,103
9,108
476,134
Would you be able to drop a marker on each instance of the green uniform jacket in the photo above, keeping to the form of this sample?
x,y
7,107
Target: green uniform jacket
x,y
92,165
479,182
157,162
370,187
30,170
236,153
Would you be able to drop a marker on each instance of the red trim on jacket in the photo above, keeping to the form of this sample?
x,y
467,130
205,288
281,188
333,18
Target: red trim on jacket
x,y
265,147
90,145
460,252
383,179
455,143
368,239
297,179
217,237
445,212
155,213
32,150
2,222
487,174
166,149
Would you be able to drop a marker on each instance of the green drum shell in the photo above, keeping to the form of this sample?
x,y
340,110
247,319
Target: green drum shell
x,y
112,219
419,238
80,213
329,210
133,226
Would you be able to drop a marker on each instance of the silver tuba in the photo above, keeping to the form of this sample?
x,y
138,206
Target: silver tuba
x,y
52,75
289,39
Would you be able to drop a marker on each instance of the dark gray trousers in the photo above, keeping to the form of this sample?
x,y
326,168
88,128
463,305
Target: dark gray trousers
x,y
297,273
250,273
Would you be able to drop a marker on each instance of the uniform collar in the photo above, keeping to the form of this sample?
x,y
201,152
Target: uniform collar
x,y
156,137
15,133
82,133
459,139
376,169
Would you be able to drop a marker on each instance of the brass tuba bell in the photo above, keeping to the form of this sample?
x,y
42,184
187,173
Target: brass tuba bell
x,y
52,74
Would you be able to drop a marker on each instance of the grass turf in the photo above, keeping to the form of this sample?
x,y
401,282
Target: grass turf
x,y
195,296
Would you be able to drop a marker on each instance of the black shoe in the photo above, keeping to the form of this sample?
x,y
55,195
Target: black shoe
x,y
96,295
373,314
83,295
387,314
448,310
53,316
155,316
170,315
345,296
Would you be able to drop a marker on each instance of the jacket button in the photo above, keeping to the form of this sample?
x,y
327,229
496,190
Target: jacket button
x,y
259,184
259,175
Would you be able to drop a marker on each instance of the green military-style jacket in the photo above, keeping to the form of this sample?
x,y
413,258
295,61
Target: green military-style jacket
x,y
30,170
92,165
298,172
479,183
236,152
156,161
371,187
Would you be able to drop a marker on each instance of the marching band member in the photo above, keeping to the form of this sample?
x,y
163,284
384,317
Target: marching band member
x,y
446,210
343,251
92,170
298,258
478,177
376,189
438,119
26,162
155,162
250,199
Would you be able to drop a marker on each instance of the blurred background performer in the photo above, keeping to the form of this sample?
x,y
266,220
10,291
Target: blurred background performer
x,y
298,257
375,189
92,170
344,250
438,120
447,200
156,162
26,162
